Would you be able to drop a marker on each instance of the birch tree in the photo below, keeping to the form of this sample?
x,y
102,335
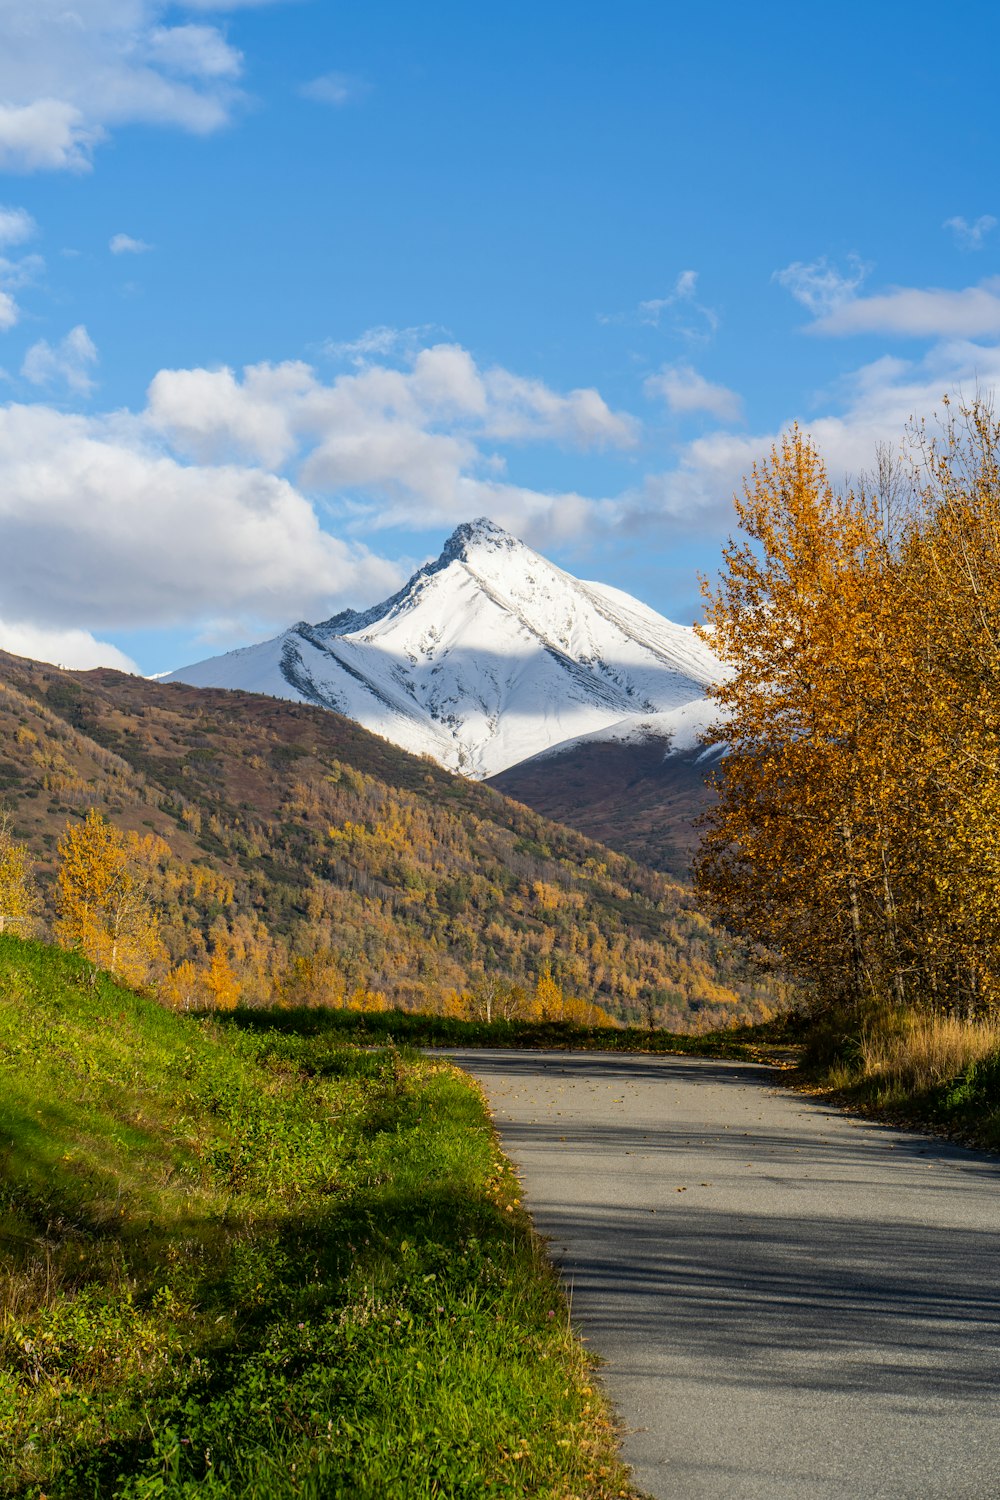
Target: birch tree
x,y
102,901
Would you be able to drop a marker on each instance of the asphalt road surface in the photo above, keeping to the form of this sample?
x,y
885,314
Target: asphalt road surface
x,y
790,1304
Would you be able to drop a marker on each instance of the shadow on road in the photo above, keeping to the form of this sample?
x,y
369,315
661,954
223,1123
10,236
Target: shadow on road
x,y
807,1259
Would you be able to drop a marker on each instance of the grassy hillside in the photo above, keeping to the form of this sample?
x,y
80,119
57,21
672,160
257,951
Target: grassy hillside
x,y
264,1266
290,831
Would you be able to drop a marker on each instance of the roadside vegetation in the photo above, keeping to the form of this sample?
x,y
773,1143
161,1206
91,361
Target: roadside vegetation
x,y
856,833
916,1067
405,1028
260,1264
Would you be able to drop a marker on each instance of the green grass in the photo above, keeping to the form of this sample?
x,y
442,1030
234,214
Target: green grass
x,y
406,1028
248,1263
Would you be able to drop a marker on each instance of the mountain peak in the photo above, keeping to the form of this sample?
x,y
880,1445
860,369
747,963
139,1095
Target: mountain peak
x,y
486,656
477,535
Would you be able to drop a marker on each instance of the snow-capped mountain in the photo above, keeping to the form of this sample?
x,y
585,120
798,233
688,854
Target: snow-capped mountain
x,y
488,656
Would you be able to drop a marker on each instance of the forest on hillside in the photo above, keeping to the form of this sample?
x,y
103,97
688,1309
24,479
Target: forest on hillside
x,y
293,858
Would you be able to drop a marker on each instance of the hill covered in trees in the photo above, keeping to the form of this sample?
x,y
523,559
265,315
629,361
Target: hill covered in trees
x,y
633,795
293,857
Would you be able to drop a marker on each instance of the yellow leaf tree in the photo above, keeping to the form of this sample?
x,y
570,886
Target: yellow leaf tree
x,y
798,852
18,896
102,903
857,829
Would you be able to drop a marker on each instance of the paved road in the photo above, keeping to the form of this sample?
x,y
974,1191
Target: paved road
x,y
792,1305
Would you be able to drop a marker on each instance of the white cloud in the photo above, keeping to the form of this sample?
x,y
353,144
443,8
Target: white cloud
x,y
222,5
337,89
212,417
970,236
392,460
205,506
19,273
878,402
16,226
821,287
68,362
70,74
378,342
45,135
76,649
124,244
176,515
193,52
416,430
15,274
907,312
915,312
101,530
522,409
685,390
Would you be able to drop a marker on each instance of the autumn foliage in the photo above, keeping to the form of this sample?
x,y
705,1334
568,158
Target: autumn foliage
x,y
102,898
857,831
18,893
289,858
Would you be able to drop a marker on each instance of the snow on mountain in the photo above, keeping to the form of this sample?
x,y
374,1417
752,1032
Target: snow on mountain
x,y
679,728
487,656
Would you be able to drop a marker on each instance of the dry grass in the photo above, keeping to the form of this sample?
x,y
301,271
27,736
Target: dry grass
x,y
918,1052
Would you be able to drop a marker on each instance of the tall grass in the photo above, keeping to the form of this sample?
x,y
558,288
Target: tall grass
x,y
916,1052
916,1065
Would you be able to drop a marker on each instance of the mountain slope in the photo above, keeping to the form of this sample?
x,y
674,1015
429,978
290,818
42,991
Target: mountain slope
x,y
293,833
640,795
487,656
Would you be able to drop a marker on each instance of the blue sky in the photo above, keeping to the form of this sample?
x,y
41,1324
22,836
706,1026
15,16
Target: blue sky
x,y
289,288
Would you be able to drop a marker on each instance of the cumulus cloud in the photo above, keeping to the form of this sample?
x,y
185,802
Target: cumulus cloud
x,y
337,89
9,312
212,417
124,244
918,312
205,506
67,363
522,409
686,391
16,226
416,430
820,286
102,529
878,402
45,135
70,74
970,236
193,52
76,649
